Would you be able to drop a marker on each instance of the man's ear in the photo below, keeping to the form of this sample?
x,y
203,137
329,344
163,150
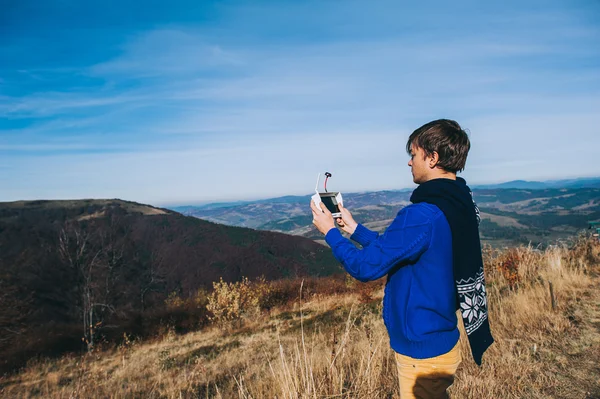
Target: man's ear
x,y
433,160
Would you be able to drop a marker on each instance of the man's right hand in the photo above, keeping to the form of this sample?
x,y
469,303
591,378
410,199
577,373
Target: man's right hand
x,y
346,222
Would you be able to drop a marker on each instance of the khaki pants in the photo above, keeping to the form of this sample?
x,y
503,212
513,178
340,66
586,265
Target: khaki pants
x,y
427,378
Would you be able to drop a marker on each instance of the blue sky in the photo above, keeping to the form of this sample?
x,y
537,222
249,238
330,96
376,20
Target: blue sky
x,y
193,101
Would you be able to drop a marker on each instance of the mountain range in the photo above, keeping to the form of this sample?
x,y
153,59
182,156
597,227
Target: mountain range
x,y
517,212
586,182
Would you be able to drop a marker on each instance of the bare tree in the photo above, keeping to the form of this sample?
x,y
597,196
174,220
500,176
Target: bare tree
x,y
112,246
78,252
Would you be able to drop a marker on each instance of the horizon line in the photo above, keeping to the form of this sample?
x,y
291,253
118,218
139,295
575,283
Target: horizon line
x,y
196,202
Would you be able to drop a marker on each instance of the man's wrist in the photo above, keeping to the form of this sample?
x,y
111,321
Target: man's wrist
x,y
352,228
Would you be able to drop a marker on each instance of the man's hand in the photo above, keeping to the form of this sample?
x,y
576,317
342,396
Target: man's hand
x,y
322,218
346,222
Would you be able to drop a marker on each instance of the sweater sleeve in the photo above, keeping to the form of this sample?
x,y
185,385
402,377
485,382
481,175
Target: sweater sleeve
x,y
364,236
404,241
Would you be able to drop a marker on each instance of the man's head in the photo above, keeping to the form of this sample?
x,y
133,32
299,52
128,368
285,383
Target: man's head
x,y
437,149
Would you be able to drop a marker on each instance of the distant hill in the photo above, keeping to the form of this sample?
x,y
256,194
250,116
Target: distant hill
x,y
217,205
60,260
587,182
519,184
511,216
288,214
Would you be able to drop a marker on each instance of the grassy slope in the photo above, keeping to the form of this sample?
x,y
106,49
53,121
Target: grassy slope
x,y
337,345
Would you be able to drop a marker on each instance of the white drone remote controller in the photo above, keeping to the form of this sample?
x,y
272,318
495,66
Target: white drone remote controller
x,y
333,199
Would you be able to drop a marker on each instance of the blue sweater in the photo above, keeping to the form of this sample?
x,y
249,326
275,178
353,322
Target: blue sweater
x,y
419,309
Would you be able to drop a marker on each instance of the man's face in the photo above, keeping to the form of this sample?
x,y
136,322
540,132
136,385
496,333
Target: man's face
x,y
418,165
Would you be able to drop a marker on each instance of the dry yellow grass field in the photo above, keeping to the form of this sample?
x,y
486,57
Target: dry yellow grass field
x,y
336,346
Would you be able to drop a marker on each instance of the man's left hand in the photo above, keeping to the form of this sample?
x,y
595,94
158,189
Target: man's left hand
x,y
322,218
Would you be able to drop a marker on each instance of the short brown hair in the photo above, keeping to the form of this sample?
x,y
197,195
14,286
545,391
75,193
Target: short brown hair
x,y
445,137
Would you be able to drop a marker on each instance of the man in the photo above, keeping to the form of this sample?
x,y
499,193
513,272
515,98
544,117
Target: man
x,y
431,255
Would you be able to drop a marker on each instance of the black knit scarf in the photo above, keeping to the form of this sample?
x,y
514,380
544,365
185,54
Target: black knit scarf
x,y
455,200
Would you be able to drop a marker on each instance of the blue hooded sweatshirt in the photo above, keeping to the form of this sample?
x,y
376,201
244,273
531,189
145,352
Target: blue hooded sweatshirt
x,y
419,306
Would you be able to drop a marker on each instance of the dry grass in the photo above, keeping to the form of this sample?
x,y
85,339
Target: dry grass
x,y
335,346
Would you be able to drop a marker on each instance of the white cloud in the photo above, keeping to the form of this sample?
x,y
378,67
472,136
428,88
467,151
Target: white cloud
x,y
164,52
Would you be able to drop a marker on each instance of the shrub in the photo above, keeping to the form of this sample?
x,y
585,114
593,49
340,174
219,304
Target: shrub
x,y
508,265
231,301
174,300
367,290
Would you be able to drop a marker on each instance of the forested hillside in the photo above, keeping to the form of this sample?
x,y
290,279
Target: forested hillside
x,y
75,272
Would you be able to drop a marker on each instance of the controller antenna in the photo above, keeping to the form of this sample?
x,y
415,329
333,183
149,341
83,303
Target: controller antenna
x,y
327,176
